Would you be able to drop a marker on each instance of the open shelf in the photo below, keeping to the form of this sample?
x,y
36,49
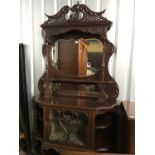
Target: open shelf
x,y
79,81
102,141
79,94
103,121
103,149
102,127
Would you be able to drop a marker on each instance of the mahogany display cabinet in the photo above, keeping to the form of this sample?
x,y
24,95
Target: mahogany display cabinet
x,y
77,104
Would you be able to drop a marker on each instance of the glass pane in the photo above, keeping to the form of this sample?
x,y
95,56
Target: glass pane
x,y
80,57
69,127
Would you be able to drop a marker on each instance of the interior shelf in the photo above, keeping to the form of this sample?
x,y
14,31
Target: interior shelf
x,y
103,123
103,149
103,120
79,94
75,81
102,127
102,141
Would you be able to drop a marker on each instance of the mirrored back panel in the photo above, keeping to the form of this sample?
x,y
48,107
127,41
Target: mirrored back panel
x,y
77,57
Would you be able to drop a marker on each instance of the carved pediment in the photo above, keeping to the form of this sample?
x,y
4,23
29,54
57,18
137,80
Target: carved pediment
x,y
78,14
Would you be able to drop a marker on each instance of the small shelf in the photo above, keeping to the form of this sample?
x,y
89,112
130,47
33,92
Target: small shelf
x,y
103,149
75,81
79,94
102,127
103,142
103,120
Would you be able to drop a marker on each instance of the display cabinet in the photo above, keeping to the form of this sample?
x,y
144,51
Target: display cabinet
x,y
77,107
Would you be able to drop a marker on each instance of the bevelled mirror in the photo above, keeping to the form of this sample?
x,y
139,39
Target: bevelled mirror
x,y
77,57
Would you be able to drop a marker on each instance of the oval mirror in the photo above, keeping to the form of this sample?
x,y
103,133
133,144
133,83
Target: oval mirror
x,y
81,57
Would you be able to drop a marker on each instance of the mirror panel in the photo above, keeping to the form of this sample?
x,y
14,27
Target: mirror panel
x,y
80,57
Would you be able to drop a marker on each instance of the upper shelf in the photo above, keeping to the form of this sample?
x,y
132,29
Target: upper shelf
x,y
72,81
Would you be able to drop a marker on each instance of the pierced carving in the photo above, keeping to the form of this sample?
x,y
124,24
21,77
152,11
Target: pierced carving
x,y
111,91
88,15
79,13
58,18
